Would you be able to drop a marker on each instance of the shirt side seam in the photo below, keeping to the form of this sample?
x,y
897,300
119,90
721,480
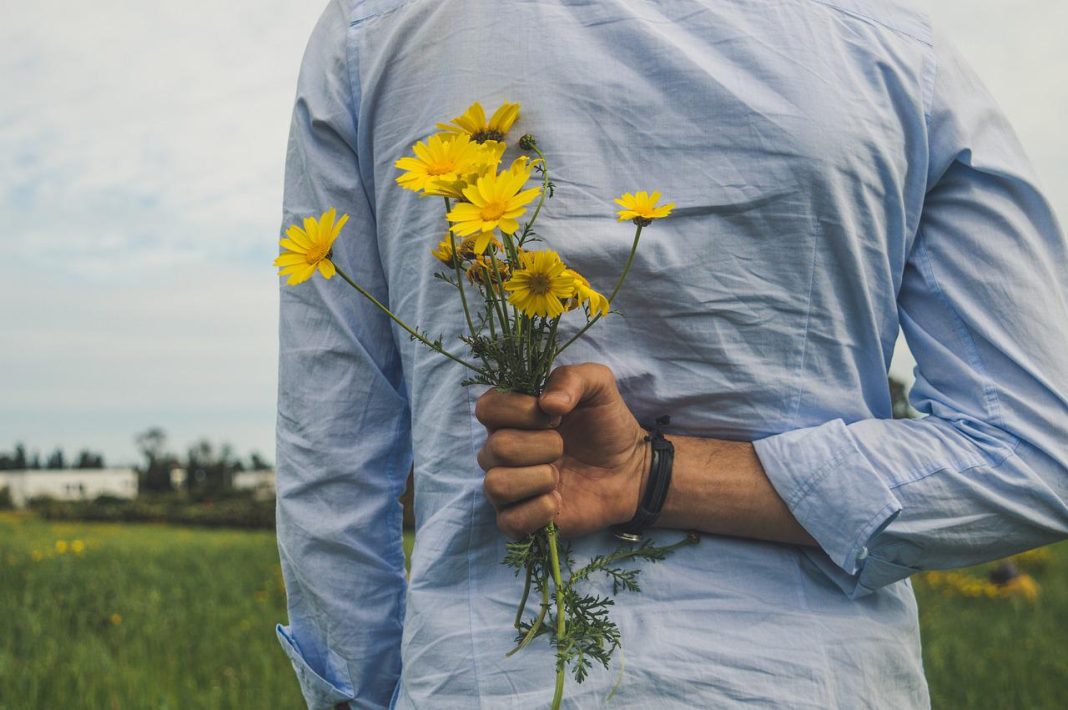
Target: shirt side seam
x,y
796,406
990,397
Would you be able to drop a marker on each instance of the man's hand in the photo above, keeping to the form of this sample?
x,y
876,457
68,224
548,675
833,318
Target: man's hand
x,y
575,454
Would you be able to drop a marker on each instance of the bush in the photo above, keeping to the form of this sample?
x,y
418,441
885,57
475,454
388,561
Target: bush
x,y
5,499
241,512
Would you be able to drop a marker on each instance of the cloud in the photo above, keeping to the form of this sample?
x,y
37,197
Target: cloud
x,y
141,159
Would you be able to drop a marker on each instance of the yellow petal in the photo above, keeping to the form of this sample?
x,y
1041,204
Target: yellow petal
x,y
290,258
293,246
301,275
337,227
326,268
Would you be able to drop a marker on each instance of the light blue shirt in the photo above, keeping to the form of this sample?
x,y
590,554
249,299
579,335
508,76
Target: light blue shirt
x,y
839,172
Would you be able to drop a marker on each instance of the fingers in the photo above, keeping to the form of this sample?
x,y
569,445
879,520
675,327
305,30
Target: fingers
x,y
514,447
507,486
511,410
522,519
590,384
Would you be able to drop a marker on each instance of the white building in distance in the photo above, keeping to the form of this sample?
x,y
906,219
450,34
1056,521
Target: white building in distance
x,y
69,484
260,482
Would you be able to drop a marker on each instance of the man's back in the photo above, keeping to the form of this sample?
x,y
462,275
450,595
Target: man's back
x,y
795,137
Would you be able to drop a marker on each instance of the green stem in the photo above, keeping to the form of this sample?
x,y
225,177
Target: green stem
x,y
459,277
561,617
498,290
536,626
549,355
486,296
402,324
523,599
619,283
529,226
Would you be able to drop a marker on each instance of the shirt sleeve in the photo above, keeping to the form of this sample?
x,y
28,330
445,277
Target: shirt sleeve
x,y
983,306
343,428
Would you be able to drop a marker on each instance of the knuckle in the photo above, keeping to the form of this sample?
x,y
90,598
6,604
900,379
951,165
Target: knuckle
x,y
554,443
497,444
506,524
490,486
482,406
551,505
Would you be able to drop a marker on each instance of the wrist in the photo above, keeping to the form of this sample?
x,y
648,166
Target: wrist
x,y
656,483
634,480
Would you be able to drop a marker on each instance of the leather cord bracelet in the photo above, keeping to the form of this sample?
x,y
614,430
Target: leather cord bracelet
x,y
656,489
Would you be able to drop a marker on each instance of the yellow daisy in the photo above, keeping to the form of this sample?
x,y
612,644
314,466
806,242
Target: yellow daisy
x,y
310,248
641,207
540,287
442,157
584,293
488,159
473,122
493,202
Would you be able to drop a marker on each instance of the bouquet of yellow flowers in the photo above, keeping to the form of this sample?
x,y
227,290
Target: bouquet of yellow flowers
x,y
513,298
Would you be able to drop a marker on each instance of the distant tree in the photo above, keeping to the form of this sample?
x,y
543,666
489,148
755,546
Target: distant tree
x,y
55,461
87,459
7,461
35,461
256,462
20,457
899,399
210,471
156,474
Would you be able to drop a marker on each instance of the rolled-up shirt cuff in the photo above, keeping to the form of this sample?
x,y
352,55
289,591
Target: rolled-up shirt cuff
x,y
831,489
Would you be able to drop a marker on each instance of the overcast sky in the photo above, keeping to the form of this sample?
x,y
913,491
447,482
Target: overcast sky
x,y
141,150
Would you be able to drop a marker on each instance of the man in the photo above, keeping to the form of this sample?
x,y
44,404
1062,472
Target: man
x,y
839,172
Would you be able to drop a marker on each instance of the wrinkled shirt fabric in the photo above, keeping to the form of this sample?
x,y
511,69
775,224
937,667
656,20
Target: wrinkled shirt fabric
x,y
839,173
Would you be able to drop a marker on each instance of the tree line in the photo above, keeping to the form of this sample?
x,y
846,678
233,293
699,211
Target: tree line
x,y
19,460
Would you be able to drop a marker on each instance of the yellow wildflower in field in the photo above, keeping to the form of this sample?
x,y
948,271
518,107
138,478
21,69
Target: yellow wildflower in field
x,y
61,546
442,158
310,248
37,555
473,122
584,293
115,619
540,287
494,202
1022,585
641,207
77,547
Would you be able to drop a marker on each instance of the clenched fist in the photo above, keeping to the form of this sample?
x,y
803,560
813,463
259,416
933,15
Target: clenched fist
x,y
575,455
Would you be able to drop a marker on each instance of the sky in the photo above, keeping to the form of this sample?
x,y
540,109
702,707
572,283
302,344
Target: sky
x,y
141,160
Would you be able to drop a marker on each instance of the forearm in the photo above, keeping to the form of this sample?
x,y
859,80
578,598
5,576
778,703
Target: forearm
x,y
720,487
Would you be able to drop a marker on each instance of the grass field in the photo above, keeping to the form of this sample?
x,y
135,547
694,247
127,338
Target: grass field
x,y
132,617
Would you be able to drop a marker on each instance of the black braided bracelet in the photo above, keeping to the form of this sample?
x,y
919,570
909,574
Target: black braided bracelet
x,y
656,489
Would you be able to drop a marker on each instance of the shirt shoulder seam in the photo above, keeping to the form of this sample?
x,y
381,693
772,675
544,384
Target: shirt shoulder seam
x,y
873,20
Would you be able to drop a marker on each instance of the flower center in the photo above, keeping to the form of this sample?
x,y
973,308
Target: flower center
x,y
440,167
317,253
539,284
487,134
492,211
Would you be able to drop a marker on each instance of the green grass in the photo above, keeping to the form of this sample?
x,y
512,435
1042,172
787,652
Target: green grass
x,y
198,609
998,653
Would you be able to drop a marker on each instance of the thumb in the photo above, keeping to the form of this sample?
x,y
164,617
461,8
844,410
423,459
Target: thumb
x,y
572,385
